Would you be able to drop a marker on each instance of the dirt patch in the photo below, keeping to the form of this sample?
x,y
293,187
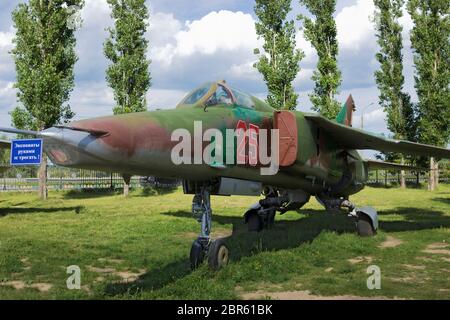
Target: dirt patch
x,y
220,233
412,267
437,248
42,287
403,279
438,245
115,261
125,275
302,295
101,270
16,284
390,242
130,276
356,260
426,259
19,285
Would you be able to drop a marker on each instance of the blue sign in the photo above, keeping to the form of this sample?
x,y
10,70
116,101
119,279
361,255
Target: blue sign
x,y
26,152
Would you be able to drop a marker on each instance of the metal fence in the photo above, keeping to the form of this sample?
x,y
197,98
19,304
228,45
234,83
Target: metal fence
x,y
388,178
60,178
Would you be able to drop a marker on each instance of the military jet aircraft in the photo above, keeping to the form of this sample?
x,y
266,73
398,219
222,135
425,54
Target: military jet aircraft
x,y
316,157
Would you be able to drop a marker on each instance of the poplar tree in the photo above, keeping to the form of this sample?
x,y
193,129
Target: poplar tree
x,y
126,48
44,56
389,77
430,40
279,64
322,33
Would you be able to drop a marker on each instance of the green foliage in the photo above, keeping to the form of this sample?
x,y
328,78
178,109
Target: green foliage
x,y
322,34
126,47
430,39
110,237
389,77
280,63
401,118
4,153
44,55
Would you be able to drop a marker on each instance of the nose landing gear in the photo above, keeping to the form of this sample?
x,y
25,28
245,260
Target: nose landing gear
x,y
203,247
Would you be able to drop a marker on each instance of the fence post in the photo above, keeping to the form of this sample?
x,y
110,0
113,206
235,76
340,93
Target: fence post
x,y
385,177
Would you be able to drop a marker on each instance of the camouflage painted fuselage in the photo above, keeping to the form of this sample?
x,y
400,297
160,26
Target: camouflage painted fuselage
x,y
140,144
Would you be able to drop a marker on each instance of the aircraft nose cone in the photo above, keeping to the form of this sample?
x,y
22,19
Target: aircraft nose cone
x,y
129,133
69,147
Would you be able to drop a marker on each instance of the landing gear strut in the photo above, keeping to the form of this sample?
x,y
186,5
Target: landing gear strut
x,y
366,217
203,247
262,214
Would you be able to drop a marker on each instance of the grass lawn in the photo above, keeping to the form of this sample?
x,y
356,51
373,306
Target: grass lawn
x,y
137,248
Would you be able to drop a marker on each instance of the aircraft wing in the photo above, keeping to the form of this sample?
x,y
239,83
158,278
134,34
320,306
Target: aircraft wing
x,y
374,165
352,138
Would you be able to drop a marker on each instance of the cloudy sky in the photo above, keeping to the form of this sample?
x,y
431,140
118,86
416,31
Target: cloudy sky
x,y
211,40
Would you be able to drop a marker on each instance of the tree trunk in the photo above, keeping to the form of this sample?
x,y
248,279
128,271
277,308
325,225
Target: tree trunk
x,y
126,184
431,179
436,174
402,176
43,178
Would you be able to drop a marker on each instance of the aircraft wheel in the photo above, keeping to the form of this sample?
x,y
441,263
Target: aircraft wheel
x,y
197,254
254,223
218,254
364,226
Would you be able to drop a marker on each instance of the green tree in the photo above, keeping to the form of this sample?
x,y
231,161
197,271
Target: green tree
x,y
430,40
44,55
126,47
322,33
279,65
401,120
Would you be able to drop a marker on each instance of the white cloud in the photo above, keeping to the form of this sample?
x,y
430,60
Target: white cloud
x,y
163,27
306,47
6,38
354,25
224,31
164,98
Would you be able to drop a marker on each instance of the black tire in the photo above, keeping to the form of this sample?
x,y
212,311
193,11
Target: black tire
x,y
218,254
254,223
364,226
197,254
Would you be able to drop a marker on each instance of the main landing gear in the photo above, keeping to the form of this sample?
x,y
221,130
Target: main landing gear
x,y
216,252
262,214
366,217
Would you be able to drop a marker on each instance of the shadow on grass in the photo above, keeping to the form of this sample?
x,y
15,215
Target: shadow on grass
x,y
284,235
90,193
414,219
151,191
12,210
443,200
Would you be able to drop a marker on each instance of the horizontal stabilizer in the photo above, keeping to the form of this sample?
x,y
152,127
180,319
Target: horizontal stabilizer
x,y
374,165
351,138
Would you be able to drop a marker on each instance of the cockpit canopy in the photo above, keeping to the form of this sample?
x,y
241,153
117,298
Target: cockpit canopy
x,y
219,93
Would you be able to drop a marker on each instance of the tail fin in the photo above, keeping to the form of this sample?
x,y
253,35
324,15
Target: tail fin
x,y
345,115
